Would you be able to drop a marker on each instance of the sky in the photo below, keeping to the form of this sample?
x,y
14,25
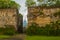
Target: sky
x,y
23,9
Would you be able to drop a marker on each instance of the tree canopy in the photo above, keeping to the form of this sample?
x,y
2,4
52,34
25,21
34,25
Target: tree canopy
x,y
49,2
20,15
8,4
43,2
30,3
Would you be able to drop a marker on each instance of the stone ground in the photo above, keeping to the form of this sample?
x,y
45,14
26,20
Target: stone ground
x,y
16,37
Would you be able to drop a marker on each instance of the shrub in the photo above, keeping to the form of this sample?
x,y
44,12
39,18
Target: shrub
x,y
8,30
31,30
48,30
1,31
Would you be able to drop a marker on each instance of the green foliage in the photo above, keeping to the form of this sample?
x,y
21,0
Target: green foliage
x,y
30,3
41,13
32,29
57,14
8,30
48,30
40,0
57,3
43,3
8,4
20,15
49,2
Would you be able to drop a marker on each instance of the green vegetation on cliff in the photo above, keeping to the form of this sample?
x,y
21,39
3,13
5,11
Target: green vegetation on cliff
x,y
8,4
43,3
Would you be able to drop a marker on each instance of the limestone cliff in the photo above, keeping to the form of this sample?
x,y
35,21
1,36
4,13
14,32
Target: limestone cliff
x,y
42,15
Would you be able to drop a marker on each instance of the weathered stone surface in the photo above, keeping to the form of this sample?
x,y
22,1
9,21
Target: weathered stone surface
x,y
45,18
8,17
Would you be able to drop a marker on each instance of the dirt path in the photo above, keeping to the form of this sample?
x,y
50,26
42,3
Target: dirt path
x,y
16,37
12,39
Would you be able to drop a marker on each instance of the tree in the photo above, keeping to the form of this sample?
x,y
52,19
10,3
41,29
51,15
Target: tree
x,y
49,2
30,3
8,4
40,0
57,3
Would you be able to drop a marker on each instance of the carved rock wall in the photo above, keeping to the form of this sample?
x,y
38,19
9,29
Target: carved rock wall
x,y
8,17
45,18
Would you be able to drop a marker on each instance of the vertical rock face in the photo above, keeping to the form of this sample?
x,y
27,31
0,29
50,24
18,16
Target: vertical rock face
x,y
20,24
42,15
8,17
